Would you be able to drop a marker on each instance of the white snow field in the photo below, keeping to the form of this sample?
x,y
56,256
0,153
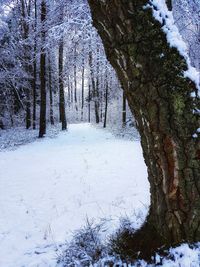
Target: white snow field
x,y
49,187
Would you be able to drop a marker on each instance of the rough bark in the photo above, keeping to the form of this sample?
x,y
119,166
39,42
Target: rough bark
x,y
160,98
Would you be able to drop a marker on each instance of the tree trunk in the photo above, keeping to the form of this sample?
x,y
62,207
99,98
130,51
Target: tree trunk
x,y
61,88
35,67
89,102
1,125
106,101
160,98
28,110
72,92
96,91
34,92
25,12
42,129
83,84
75,78
69,91
106,106
50,93
94,86
124,110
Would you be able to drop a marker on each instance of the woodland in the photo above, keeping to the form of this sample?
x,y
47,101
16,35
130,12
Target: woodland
x,y
100,133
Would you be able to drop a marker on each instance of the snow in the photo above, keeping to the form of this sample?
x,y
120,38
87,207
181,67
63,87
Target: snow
x,y
195,135
174,38
183,256
49,187
10,139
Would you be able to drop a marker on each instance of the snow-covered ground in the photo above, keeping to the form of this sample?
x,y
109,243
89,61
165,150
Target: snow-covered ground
x,y
49,187
10,139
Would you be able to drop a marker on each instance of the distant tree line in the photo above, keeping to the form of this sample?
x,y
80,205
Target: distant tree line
x,y
53,66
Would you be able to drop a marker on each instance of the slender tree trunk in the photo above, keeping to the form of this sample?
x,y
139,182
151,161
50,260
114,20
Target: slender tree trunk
x,y
34,93
94,87
101,106
75,78
35,68
25,12
9,106
50,93
124,110
61,88
69,91
28,110
89,102
72,92
82,92
42,129
103,87
75,87
160,98
96,91
92,81
106,103
1,125
96,108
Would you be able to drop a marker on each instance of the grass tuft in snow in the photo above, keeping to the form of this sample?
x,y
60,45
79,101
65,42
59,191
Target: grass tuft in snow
x,y
86,247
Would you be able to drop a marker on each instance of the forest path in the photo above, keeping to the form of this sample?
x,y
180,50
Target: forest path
x,y
49,187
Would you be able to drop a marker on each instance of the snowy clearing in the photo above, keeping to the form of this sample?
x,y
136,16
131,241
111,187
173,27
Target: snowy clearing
x,y
54,185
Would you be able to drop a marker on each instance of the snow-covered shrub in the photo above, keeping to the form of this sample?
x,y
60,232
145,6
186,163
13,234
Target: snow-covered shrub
x,y
89,248
86,247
